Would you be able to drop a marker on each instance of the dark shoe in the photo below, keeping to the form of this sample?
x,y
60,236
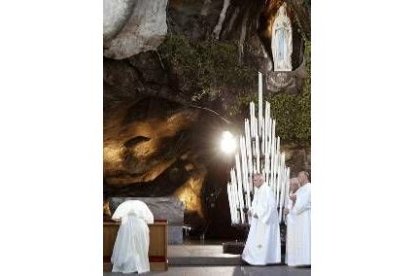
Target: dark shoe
x,y
244,263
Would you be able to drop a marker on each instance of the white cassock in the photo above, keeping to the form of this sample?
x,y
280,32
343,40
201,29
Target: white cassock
x,y
263,242
131,247
298,242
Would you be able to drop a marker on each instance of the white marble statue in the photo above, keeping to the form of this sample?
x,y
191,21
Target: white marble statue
x,y
282,41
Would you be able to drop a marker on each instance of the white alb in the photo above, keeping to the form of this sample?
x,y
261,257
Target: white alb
x,y
131,247
298,242
263,242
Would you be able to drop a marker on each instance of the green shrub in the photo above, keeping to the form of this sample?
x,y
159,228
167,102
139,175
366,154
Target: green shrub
x,y
210,69
205,68
292,112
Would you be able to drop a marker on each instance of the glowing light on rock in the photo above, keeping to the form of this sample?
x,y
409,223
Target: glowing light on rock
x,y
228,142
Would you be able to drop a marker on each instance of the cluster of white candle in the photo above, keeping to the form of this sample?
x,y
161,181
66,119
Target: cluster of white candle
x,y
259,152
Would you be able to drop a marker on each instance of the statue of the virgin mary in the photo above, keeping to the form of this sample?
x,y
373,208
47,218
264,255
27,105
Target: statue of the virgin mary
x,y
282,41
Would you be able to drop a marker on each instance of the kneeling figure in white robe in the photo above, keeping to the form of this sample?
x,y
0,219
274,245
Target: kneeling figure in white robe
x,y
131,247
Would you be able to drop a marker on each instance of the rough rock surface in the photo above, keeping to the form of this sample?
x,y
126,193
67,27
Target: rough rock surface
x,y
144,29
115,15
155,147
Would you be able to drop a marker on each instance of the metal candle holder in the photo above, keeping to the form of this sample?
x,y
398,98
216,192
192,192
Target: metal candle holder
x,y
259,152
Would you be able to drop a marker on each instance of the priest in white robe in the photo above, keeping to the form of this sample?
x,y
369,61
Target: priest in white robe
x,y
131,247
298,242
263,242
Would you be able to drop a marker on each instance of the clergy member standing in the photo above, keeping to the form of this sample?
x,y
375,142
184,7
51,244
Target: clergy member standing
x,y
263,242
298,244
131,247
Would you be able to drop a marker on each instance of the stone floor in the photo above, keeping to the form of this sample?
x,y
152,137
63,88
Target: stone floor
x,y
229,270
200,255
209,259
